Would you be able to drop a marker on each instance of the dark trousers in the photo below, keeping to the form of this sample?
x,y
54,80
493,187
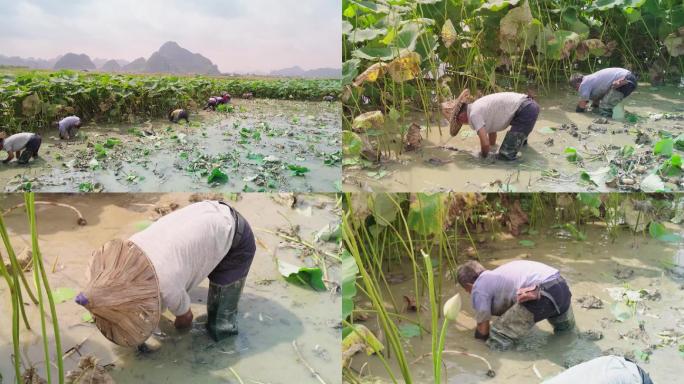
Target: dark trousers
x,y
235,265
544,309
31,149
525,117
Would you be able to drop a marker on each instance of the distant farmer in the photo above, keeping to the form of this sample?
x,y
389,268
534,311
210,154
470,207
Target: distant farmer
x,y
603,370
605,89
215,101
132,282
521,293
177,115
24,146
494,113
68,127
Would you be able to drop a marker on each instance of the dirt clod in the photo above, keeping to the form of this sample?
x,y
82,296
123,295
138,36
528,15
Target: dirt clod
x,y
590,302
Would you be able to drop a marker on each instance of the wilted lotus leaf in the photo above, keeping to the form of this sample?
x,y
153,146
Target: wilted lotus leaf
x,y
413,137
610,47
89,372
448,33
516,29
31,105
371,74
405,67
561,44
594,47
368,120
675,43
360,339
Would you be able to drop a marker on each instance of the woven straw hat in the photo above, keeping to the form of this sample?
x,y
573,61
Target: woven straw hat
x,y
450,111
123,293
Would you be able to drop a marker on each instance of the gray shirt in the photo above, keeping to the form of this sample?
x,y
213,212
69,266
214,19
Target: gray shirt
x,y
66,123
494,112
17,141
601,370
184,247
596,85
494,292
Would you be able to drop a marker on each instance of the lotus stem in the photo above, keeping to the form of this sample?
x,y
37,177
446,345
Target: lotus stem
x,y
13,259
38,265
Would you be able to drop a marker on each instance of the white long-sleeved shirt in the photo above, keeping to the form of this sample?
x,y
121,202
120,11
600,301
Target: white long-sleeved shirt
x,y
184,247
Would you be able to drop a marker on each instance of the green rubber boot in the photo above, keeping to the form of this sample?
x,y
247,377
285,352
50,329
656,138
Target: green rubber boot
x,y
511,145
222,309
609,101
25,156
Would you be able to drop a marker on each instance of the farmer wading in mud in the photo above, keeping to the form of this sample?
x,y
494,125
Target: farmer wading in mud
x,y
521,293
133,281
494,113
605,89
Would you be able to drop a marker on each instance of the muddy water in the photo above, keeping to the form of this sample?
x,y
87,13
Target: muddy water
x,y
590,268
158,156
273,313
542,167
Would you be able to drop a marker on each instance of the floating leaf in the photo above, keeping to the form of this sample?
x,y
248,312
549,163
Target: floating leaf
x,y
658,231
87,318
111,142
571,154
664,147
140,225
526,243
217,177
63,294
621,311
547,130
408,331
298,170
305,276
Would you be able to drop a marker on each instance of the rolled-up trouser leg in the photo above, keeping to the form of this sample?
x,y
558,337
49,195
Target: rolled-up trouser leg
x,y
609,101
222,309
510,327
563,322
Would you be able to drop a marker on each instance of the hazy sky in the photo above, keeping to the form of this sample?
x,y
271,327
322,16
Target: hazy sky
x,y
237,35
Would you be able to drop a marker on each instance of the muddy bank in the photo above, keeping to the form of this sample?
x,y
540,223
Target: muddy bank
x,y
593,269
446,163
263,145
273,312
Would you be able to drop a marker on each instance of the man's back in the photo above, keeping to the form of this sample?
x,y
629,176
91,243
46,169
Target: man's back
x,y
495,291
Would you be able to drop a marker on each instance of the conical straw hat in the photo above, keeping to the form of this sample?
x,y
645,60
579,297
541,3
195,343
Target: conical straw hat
x,y
450,111
123,293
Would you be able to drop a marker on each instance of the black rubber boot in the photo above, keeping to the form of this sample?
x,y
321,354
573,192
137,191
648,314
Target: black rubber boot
x,y
222,309
25,156
511,145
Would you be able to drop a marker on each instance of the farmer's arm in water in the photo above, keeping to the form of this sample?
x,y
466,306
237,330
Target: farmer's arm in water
x,y
484,141
184,320
582,106
10,156
482,330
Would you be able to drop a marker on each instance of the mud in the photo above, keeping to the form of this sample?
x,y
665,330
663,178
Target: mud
x,y
446,163
653,333
273,313
254,146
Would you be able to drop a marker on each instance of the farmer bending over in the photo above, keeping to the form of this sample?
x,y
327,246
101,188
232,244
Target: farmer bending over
x,y
605,89
133,281
68,127
494,113
177,115
24,146
603,370
521,293
215,101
